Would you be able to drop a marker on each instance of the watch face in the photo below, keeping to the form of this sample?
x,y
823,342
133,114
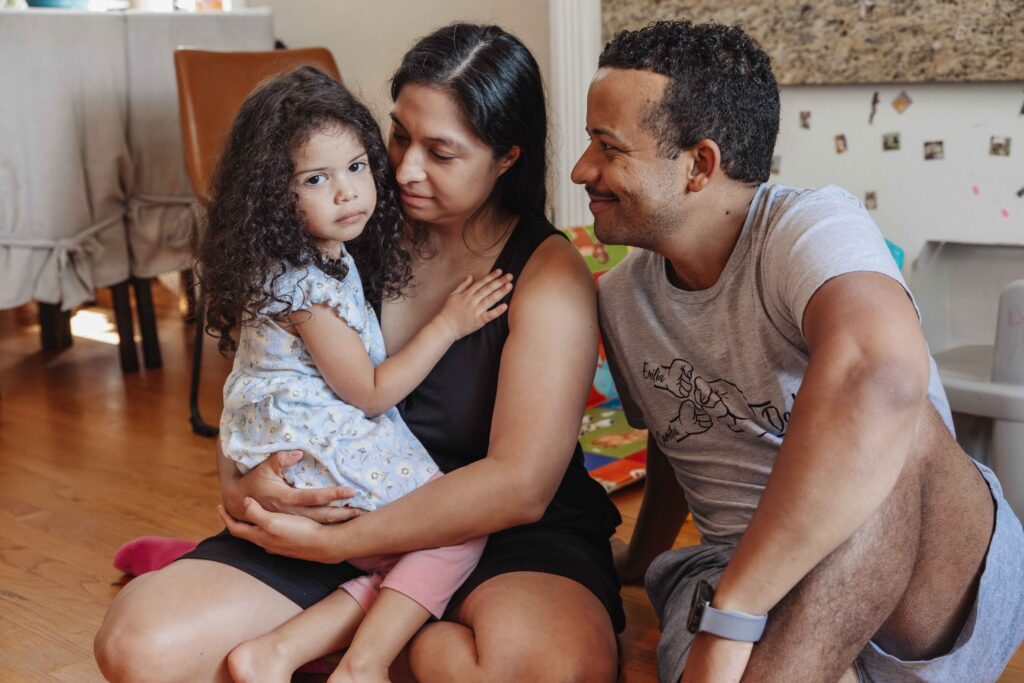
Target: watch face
x,y
701,599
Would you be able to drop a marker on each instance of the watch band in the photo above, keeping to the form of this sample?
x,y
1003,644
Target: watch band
x,y
732,625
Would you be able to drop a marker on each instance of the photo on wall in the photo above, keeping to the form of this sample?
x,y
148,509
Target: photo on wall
x,y
890,142
840,144
902,102
933,150
999,146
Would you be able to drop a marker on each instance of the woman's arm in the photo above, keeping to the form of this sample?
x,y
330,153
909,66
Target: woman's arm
x,y
342,360
550,354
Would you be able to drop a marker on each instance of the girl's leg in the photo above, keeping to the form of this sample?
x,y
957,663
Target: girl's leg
x,y
521,626
390,624
321,629
180,623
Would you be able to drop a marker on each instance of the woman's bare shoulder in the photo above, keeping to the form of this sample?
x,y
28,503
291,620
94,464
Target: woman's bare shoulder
x,y
555,264
557,280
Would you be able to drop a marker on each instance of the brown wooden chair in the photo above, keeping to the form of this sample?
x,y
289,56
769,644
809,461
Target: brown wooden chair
x,y
211,88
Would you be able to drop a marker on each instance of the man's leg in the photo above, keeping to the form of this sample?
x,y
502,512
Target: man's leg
x,y
907,578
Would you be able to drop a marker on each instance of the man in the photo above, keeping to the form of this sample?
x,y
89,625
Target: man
x,y
767,340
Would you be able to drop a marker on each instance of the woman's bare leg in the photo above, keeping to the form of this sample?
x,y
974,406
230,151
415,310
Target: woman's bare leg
x,y
521,626
390,624
323,628
180,623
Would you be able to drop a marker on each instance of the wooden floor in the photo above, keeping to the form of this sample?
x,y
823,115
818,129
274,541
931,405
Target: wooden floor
x,y
90,458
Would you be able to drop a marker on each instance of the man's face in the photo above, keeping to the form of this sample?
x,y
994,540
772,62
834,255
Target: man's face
x,y
636,195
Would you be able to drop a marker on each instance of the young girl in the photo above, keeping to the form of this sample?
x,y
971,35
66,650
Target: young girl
x,y
304,192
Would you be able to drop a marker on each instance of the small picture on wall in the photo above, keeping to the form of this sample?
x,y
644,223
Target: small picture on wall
x,y
890,142
933,150
776,164
901,102
805,119
840,144
1020,193
870,201
999,146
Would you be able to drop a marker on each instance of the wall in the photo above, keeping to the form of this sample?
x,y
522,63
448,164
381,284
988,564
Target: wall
x,y
368,39
967,196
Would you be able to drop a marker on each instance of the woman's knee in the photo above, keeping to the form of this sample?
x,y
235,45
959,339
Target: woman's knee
x,y
126,652
137,642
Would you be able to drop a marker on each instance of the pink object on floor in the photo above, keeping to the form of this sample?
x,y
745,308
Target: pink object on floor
x,y
149,553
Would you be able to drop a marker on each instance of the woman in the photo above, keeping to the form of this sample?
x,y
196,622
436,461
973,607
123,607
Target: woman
x,y
500,413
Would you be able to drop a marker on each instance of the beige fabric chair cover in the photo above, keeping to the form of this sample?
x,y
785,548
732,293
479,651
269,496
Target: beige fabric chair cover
x,y
160,217
63,155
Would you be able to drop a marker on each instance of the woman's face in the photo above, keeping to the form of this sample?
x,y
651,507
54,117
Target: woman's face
x,y
445,172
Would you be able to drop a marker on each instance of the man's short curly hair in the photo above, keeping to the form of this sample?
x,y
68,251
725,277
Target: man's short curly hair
x,y
721,88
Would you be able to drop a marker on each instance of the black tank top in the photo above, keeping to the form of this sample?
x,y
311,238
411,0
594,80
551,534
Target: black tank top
x,y
450,412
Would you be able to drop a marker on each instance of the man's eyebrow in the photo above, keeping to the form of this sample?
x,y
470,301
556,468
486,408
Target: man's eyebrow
x,y
605,132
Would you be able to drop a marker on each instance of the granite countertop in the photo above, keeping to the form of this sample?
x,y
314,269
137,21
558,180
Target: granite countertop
x,y
860,41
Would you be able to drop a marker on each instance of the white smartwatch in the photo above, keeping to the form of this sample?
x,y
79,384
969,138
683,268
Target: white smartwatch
x,y
732,625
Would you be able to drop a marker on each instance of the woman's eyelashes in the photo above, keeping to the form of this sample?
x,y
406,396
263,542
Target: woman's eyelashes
x,y
439,155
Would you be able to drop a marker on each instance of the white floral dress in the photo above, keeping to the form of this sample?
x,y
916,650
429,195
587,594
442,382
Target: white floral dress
x,y
275,399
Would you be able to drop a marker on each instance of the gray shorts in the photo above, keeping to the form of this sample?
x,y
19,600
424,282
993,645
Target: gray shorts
x,y
991,635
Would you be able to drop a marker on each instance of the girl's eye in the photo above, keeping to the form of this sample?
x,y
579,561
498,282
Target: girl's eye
x,y
442,157
318,179
357,166
399,138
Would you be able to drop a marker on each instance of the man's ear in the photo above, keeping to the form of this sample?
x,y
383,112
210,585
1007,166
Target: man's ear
x,y
706,161
510,158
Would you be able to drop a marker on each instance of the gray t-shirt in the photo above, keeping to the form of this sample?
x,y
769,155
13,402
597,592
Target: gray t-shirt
x,y
713,373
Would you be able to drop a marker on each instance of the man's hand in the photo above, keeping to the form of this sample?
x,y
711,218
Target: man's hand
x,y
626,566
716,660
265,483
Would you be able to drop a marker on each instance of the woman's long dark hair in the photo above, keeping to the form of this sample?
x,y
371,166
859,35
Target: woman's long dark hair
x,y
254,231
496,84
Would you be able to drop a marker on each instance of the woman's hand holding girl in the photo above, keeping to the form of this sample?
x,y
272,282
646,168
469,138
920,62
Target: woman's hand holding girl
x,y
265,484
471,305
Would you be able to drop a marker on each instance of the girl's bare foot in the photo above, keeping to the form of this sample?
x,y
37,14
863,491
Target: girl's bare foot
x,y
260,660
350,671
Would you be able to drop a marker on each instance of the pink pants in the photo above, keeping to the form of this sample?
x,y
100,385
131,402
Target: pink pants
x,y
430,576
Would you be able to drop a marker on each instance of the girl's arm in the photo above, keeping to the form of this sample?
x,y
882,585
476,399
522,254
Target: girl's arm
x,y
547,367
340,356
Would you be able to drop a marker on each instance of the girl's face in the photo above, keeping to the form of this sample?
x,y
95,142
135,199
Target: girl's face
x,y
335,188
445,172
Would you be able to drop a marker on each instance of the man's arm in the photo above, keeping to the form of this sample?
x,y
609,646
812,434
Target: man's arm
x,y
848,437
661,515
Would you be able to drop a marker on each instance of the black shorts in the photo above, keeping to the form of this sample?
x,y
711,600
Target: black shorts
x,y
550,550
